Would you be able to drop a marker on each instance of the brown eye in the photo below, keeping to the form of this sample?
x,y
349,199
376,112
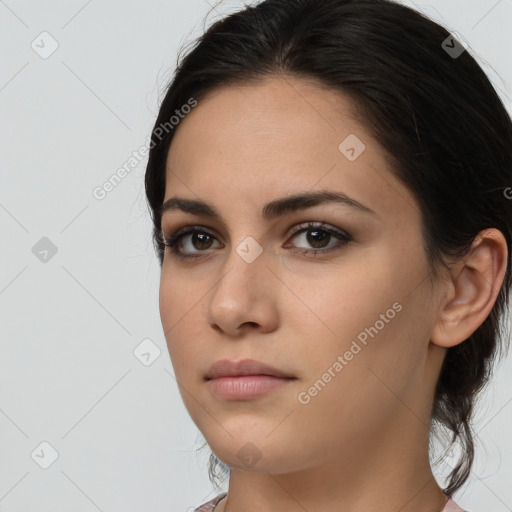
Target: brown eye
x,y
318,237
195,240
201,241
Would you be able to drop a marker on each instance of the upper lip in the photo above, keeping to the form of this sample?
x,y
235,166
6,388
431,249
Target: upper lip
x,y
227,368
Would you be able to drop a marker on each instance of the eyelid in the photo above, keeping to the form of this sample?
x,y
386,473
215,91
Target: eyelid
x,y
173,241
187,228
320,226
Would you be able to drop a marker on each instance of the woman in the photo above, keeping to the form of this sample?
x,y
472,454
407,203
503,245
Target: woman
x,y
334,233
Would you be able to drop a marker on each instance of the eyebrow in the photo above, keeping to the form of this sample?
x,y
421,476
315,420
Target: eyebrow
x,y
271,210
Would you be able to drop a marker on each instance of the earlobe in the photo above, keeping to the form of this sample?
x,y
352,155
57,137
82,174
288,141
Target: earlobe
x,y
474,285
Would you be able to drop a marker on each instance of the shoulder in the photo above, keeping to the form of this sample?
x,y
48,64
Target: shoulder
x,y
451,506
209,506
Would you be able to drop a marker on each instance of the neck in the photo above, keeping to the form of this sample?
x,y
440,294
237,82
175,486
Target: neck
x,y
390,473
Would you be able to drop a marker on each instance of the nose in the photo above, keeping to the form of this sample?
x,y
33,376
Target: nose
x,y
244,297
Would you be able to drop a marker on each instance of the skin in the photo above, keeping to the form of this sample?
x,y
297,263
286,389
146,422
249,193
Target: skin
x,y
362,442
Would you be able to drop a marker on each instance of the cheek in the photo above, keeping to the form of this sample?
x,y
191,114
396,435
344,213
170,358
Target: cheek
x,y
179,296
343,300
178,313
367,312
168,301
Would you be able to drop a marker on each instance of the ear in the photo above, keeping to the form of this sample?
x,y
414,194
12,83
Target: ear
x,y
472,289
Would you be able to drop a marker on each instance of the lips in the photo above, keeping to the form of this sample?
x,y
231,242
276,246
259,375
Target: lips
x,y
227,368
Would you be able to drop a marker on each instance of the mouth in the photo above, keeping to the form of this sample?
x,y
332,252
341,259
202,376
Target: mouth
x,y
245,367
245,380
246,387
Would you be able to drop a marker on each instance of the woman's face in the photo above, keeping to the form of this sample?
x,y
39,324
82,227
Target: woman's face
x,y
351,324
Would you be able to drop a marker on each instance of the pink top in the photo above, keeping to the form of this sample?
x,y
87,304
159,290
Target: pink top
x,y
210,506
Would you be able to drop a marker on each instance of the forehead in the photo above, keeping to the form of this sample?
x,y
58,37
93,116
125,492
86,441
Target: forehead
x,y
282,136
278,114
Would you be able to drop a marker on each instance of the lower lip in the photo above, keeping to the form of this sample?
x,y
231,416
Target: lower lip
x,y
245,387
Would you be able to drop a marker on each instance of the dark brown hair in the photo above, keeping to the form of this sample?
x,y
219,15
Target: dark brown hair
x,y
435,113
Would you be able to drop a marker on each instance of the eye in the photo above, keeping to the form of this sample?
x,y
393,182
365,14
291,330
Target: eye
x,y
318,235
192,237
192,241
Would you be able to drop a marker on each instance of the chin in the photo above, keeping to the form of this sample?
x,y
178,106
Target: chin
x,y
255,452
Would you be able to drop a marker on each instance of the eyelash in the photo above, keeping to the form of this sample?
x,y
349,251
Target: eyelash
x,y
174,240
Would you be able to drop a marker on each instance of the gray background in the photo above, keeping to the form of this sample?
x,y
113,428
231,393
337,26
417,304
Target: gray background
x,y
71,321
